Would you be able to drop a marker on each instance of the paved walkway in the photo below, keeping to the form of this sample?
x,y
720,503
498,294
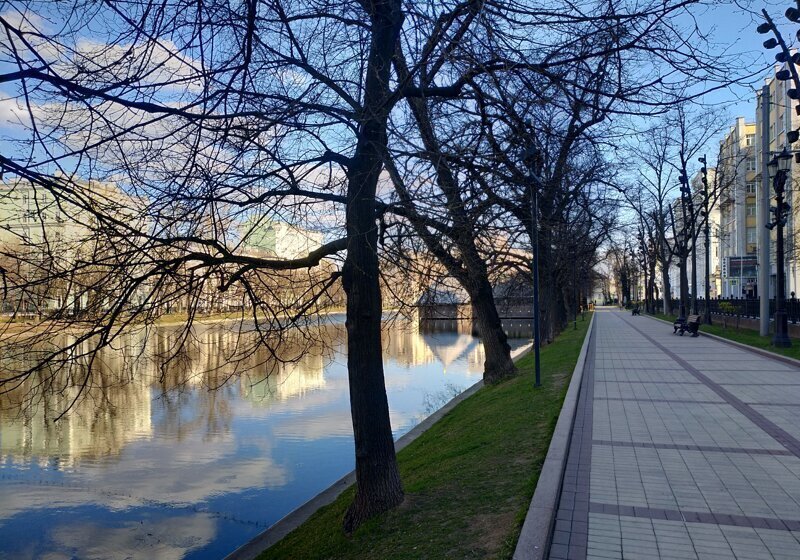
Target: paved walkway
x,y
682,448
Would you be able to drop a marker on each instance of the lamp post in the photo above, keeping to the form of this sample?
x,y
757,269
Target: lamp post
x,y
779,170
687,209
704,171
529,157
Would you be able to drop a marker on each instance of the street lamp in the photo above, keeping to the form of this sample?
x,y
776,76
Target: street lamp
x,y
687,206
529,157
704,171
779,171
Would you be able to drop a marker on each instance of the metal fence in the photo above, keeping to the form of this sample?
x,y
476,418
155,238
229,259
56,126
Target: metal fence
x,y
739,307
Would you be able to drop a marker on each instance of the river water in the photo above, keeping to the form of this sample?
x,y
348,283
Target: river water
x,y
194,457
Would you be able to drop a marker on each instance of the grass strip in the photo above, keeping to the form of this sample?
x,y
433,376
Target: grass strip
x,y
468,479
742,335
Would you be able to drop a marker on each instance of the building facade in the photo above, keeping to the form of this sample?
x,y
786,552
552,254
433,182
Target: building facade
x,y
736,233
714,220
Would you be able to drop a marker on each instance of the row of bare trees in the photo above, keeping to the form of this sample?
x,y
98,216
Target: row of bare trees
x,y
668,209
397,127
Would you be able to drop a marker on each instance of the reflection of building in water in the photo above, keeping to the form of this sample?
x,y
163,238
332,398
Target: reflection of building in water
x,y
406,347
287,380
99,424
475,359
451,349
412,348
196,389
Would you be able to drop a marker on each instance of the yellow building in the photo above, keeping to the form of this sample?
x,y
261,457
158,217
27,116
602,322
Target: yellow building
x,y
736,233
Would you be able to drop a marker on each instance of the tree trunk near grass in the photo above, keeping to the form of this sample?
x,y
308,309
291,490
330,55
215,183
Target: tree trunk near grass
x,y
378,485
498,364
463,261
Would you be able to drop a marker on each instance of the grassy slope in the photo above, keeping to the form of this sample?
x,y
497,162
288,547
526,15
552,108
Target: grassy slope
x,y
468,480
743,335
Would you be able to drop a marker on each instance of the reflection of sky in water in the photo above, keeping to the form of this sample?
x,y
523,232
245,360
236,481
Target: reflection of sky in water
x,y
196,473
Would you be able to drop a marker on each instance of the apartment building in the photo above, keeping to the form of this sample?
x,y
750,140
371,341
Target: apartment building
x,y
736,233
782,119
279,239
41,239
715,266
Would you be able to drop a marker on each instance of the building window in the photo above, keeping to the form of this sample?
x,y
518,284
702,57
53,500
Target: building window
x,y
752,235
750,208
750,140
750,187
751,163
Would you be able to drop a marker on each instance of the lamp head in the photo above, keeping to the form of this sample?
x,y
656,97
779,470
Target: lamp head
x,y
784,160
772,167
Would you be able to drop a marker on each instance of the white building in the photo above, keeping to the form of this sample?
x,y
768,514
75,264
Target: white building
x,y
736,232
279,239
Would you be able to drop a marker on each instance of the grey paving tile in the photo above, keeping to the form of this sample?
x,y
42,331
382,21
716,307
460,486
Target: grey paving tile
x,y
682,462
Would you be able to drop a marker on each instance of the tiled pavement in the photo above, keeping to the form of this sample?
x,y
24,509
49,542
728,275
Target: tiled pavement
x,y
682,448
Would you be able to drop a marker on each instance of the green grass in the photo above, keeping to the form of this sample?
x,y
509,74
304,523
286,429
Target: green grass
x,y
468,480
742,335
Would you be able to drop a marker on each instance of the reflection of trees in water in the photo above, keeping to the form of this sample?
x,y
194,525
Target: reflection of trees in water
x,y
101,422
195,381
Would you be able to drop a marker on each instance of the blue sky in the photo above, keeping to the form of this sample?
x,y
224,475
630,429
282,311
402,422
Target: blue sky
x,y
732,27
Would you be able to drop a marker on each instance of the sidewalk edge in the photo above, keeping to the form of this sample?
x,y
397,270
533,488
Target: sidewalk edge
x,y
537,530
261,542
753,349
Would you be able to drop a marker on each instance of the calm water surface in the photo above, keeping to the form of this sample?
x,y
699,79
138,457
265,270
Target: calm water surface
x,y
156,464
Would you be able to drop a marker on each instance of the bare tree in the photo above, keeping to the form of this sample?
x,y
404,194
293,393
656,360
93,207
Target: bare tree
x,y
210,119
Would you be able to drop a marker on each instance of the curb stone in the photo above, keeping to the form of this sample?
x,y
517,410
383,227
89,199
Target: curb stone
x,y
537,530
753,349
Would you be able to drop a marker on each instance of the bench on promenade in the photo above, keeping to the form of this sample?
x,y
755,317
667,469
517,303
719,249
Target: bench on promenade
x,y
635,311
691,324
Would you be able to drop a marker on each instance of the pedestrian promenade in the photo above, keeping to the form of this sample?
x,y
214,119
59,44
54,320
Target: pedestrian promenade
x,y
682,448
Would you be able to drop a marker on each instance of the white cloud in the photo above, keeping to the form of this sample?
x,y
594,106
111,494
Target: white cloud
x,y
167,539
12,113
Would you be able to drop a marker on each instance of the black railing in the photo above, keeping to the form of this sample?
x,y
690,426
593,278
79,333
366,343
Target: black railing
x,y
738,307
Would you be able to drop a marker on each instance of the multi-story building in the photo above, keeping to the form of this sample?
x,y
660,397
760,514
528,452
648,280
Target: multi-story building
x,y
715,272
782,119
279,239
42,238
736,233
715,277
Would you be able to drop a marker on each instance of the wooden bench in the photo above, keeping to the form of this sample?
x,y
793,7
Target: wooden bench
x,y
692,325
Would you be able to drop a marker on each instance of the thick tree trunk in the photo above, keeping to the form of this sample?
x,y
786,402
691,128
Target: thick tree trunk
x,y
470,269
378,485
499,364
667,287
